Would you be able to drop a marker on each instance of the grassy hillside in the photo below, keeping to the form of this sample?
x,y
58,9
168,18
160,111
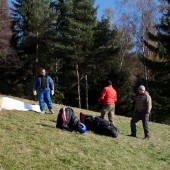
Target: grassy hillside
x,y
31,141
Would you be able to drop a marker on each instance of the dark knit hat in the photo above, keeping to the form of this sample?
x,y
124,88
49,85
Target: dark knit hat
x,y
109,82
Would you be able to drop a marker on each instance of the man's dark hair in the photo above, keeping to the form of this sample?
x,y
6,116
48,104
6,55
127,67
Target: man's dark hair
x,y
41,69
108,82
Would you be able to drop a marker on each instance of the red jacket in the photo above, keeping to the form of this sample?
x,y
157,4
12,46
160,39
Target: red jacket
x,y
108,95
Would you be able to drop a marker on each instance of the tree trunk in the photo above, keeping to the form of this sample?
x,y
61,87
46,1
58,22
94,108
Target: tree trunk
x,y
37,55
144,51
87,95
122,51
78,85
56,71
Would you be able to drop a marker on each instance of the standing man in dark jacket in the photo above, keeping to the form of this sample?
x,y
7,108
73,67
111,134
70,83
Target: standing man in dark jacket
x,y
142,111
43,85
108,98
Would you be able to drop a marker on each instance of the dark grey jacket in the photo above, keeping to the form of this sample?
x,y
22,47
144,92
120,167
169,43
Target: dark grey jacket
x,y
143,103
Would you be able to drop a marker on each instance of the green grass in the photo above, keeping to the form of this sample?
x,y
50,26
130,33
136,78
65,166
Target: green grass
x,y
31,141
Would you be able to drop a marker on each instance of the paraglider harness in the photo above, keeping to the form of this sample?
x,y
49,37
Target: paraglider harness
x,y
66,119
99,125
43,81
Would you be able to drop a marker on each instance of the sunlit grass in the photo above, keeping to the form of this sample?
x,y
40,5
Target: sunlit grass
x,y
31,141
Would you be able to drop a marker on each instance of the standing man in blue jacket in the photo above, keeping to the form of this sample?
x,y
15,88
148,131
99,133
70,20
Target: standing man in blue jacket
x,y
43,85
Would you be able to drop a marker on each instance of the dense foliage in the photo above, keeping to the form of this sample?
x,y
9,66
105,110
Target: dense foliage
x,y
159,65
80,53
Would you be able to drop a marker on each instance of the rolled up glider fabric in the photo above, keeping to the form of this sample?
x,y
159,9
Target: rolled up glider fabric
x,y
12,104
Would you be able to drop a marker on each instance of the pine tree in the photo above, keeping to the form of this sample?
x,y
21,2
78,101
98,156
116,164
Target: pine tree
x,y
5,30
74,39
9,63
105,66
104,48
103,55
159,65
32,22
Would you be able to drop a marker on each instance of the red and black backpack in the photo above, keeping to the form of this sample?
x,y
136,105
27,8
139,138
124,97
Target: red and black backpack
x,y
66,119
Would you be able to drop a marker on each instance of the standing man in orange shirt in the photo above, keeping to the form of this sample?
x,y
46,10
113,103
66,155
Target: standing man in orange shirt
x,y
108,98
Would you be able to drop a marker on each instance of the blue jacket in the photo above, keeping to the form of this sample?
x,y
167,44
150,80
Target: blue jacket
x,y
37,83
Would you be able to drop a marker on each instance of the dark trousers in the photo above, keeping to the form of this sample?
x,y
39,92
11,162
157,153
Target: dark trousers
x,y
145,122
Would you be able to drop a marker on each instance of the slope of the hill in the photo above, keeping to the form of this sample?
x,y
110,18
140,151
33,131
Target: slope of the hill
x,y
31,141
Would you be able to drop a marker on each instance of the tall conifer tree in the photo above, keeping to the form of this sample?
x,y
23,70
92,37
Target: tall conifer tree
x,y
105,66
9,63
74,39
31,24
159,45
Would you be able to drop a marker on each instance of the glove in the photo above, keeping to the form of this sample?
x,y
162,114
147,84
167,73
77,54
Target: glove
x,y
34,92
52,92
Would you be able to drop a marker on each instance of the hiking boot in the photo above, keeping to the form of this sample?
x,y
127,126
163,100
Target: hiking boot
x,y
42,112
52,111
146,138
132,135
112,123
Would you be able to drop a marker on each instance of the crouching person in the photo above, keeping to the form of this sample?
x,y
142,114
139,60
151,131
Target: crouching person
x,y
43,86
67,120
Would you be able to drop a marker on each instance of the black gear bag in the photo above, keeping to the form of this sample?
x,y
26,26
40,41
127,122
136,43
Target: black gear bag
x,y
99,125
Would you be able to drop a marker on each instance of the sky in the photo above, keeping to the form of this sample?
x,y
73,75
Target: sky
x,y
103,4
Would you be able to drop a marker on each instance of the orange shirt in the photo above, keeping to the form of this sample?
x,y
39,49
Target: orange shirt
x,y
108,95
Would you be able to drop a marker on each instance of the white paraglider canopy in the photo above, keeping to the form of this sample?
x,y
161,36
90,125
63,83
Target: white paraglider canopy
x,y
12,104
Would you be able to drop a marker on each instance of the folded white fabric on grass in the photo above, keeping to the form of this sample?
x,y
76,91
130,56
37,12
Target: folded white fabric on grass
x,y
12,104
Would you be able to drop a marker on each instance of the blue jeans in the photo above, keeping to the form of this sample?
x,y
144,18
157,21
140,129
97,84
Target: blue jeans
x,y
44,97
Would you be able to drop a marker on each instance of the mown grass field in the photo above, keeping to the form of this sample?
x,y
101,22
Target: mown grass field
x,y
30,141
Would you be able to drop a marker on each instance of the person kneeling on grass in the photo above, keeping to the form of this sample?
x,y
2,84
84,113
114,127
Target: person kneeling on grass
x,y
43,84
142,111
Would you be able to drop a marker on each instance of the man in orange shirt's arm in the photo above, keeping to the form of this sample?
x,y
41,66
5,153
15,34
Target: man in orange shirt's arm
x,y
108,98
